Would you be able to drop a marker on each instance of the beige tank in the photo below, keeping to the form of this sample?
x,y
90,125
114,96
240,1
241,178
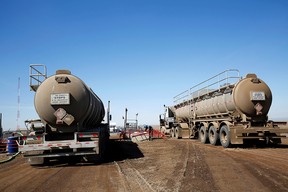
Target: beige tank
x,y
250,97
66,103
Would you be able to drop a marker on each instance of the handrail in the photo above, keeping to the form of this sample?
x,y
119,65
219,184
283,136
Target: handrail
x,y
209,85
37,76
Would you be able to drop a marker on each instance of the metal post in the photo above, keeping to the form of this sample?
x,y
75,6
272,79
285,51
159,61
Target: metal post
x,y
125,119
1,129
136,121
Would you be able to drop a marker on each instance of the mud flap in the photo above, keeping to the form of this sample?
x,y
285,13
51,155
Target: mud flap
x,y
184,131
234,138
36,161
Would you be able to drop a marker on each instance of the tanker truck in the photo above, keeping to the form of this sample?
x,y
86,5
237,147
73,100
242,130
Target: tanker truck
x,y
70,119
224,109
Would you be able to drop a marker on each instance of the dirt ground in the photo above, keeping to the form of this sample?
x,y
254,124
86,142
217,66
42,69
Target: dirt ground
x,y
158,165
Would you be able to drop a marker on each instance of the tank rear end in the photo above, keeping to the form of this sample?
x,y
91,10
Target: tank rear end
x,y
252,97
66,103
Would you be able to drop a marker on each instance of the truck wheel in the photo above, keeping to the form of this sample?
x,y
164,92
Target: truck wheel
x,y
203,136
172,132
177,133
163,129
225,137
213,136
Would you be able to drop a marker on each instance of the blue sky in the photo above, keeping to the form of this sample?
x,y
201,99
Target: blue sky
x,y
140,53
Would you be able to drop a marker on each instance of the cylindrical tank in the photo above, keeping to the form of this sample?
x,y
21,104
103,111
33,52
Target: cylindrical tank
x,y
250,96
66,103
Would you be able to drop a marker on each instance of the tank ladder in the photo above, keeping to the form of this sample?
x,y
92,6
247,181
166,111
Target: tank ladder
x,y
38,73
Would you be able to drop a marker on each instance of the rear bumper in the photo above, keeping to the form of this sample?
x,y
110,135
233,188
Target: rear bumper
x,y
240,134
62,154
60,149
58,145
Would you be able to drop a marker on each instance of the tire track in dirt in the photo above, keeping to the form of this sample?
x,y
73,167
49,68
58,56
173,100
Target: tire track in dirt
x,y
134,179
198,176
255,169
182,171
269,166
190,170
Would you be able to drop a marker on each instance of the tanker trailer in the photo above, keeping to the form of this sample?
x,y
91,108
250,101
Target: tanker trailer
x,y
226,109
70,123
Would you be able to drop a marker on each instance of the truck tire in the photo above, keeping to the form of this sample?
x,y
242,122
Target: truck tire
x,y
225,137
177,133
213,136
172,132
203,135
163,129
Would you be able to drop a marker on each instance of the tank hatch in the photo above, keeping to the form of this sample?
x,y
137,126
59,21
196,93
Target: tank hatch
x,y
251,75
63,71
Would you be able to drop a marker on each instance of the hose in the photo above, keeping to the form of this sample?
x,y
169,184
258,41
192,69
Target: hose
x,y
14,155
10,158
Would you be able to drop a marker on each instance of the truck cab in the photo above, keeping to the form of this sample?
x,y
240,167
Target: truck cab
x,y
167,120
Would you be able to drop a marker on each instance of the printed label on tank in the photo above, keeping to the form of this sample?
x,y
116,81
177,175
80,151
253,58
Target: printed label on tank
x,y
258,96
60,99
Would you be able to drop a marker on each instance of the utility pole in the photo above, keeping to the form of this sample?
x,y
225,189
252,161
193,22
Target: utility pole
x,y
18,111
125,119
1,129
136,121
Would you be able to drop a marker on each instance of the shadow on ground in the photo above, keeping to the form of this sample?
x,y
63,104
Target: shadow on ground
x,y
260,144
116,151
121,150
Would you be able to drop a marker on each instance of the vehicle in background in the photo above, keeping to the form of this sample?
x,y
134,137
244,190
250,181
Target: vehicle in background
x,y
224,109
113,128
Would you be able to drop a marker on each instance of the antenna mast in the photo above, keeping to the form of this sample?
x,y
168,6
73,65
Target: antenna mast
x,y
18,111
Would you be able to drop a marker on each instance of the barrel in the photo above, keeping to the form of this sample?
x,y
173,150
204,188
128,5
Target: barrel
x,y
12,145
